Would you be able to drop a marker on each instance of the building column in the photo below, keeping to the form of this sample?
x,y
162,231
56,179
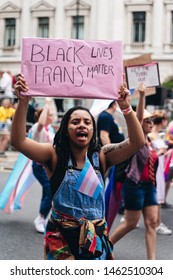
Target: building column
x,y
158,23
59,19
102,19
25,19
148,26
116,19
18,34
167,34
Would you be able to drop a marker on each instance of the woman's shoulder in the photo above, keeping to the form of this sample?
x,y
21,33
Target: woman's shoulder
x,y
153,136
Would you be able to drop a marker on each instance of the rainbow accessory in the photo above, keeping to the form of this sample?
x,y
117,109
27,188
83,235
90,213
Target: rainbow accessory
x,y
88,182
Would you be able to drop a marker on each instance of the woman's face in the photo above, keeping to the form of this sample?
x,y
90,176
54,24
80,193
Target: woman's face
x,y
80,128
147,125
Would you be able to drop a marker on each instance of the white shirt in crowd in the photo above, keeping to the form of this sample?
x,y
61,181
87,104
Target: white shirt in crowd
x,y
6,85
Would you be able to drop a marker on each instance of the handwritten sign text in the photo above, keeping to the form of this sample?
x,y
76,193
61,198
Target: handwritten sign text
x,y
72,68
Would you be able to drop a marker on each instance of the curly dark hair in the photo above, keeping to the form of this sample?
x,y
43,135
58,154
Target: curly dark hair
x,y
61,140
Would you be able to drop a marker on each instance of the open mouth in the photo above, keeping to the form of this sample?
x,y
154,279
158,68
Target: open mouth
x,y
82,134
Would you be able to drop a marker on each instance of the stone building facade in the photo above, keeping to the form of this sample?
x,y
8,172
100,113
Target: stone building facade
x,y
144,26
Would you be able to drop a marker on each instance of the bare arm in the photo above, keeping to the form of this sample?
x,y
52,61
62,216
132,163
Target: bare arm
x,y
42,121
104,137
141,103
32,149
112,147
43,117
135,141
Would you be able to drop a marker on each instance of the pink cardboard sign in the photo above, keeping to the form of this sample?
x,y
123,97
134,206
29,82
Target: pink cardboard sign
x,y
72,68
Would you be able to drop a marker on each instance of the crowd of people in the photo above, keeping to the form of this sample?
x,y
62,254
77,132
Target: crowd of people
x,y
7,108
77,228
8,103
43,132
139,190
72,163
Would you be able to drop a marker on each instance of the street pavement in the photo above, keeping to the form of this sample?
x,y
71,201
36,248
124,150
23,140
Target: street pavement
x,y
20,241
7,163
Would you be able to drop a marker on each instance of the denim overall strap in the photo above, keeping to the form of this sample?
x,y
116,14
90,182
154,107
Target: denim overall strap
x,y
70,164
76,204
95,159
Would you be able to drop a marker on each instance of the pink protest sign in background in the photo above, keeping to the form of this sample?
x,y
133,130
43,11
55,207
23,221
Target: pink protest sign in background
x,y
72,68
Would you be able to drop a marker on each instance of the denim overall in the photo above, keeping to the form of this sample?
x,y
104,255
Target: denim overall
x,y
76,204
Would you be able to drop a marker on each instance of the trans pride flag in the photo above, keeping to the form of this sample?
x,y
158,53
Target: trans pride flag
x,y
168,158
17,185
88,182
113,198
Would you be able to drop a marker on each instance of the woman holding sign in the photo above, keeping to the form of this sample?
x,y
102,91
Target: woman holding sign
x,y
139,187
76,167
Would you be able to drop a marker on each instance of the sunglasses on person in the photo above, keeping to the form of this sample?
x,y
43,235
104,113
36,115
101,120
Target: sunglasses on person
x,y
148,120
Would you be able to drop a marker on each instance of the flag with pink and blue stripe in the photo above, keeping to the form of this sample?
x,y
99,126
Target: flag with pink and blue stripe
x,y
88,183
17,185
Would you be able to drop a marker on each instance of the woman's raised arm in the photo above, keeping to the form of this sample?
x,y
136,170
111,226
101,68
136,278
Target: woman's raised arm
x,y
116,153
30,148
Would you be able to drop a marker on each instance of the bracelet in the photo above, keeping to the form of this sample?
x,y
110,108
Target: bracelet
x,y
127,110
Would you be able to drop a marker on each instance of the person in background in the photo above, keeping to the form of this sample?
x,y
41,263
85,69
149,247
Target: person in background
x,y
6,113
169,176
139,188
76,166
30,116
43,132
160,122
59,104
108,130
6,84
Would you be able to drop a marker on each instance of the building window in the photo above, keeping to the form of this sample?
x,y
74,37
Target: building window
x,y
139,21
10,27
78,27
43,27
